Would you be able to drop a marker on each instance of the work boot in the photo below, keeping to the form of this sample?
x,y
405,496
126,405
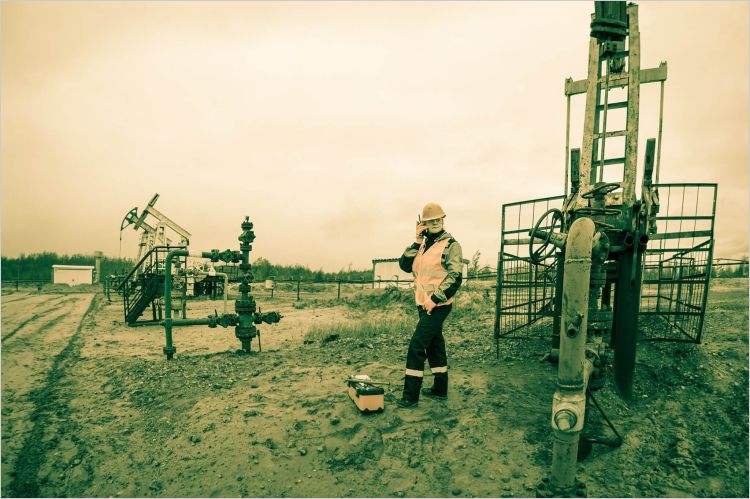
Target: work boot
x,y
440,385
412,386
430,392
405,404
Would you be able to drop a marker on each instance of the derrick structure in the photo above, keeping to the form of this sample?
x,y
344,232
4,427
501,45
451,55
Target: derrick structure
x,y
602,255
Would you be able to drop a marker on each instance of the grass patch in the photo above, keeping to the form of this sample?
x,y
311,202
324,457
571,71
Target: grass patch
x,y
381,298
370,329
472,304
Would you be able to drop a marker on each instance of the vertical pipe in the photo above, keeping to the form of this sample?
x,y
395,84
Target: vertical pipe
x,y
559,277
575,302
658,144
627,302
708,269
569,401
634,85
658,287
498,283
529,284
603,133
567,143
678,308
169,348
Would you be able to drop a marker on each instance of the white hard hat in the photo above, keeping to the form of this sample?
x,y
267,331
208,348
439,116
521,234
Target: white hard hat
x,y
431,211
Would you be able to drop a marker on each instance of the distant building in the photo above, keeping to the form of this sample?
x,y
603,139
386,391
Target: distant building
x,y
72,275
387,271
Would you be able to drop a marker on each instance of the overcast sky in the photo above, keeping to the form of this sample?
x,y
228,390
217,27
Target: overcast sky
x,y
332,123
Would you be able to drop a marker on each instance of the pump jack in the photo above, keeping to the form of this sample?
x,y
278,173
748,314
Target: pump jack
x,y
145,282
154,233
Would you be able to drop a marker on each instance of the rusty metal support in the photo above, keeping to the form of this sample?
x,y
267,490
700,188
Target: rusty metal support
x,y
569,401
625,320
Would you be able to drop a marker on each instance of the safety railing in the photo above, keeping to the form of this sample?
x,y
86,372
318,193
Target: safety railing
x,y
144,282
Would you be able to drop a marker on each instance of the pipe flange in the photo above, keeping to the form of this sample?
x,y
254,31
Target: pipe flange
x,y
245,307
241,332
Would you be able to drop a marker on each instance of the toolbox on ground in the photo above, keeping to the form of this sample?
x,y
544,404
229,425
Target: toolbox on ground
x,y
367,397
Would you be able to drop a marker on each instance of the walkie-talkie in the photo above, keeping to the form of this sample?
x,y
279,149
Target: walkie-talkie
x,y
419,222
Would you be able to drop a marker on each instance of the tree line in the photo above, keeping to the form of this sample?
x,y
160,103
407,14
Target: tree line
x,y
263,269
38,267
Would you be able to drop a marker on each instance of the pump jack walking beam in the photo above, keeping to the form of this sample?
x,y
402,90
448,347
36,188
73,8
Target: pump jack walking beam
x,y
154,234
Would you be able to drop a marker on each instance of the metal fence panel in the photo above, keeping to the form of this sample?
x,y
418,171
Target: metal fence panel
x,y
678,260
525,291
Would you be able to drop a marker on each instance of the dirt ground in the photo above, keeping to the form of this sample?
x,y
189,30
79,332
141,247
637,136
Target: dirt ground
x,y
90,407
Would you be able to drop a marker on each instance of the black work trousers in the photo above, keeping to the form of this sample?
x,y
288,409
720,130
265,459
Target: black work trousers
x,y
427,342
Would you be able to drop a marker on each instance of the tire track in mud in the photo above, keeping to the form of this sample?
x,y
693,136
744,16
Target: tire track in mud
x,y
38,316
20,298
50,403
30,297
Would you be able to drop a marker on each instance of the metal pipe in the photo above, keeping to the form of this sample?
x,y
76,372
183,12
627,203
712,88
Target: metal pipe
x,y
245,308
191,322
661,121
169,348
603,136
569,401
567,141
559,279
625,320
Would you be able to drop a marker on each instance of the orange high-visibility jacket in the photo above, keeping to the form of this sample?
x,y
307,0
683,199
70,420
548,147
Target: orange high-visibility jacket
x,y
434,272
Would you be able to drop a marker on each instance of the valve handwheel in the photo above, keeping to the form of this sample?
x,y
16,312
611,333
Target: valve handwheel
x,y
542,252
600,188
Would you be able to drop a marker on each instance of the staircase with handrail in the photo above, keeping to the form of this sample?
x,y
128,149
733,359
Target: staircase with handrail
x,y
144,284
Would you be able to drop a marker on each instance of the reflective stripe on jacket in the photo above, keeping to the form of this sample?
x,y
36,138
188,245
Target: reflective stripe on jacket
x,y
429,273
